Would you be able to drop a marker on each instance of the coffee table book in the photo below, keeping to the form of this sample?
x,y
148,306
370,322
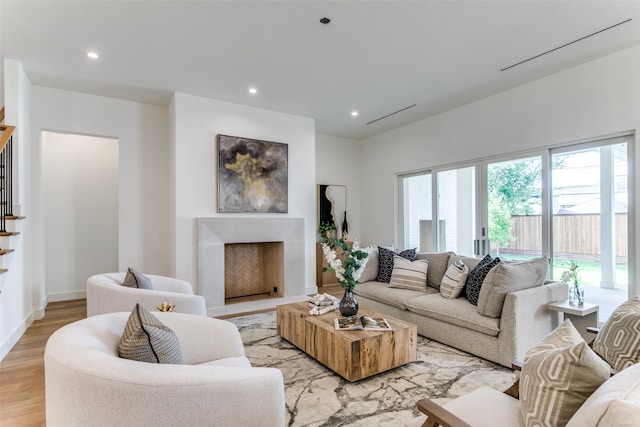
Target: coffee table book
x,y
357,323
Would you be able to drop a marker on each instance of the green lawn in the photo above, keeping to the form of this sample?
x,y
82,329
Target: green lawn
x,y
588,271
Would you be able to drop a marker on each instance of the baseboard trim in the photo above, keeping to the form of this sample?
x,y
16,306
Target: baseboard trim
x,y
66,296
251,306
8,344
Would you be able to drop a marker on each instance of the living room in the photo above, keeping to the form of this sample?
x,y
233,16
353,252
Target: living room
x,y
167,155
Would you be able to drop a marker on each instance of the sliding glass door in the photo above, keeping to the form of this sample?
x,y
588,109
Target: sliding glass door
x,y
570,203
590,218
417,211
456,208
514,208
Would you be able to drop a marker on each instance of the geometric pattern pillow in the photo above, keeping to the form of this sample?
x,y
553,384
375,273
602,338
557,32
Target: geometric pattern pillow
x,y
146,339
135,279
476,277
409,274
618,342
558,375
454,279
385,261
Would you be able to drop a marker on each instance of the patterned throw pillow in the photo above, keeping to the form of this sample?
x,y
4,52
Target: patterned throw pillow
x,y
135,279
618,342
476,277
454,279
385,261
558,375
409,274
146,339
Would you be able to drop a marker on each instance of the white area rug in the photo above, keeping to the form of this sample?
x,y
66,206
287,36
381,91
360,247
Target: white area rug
x,y
316,396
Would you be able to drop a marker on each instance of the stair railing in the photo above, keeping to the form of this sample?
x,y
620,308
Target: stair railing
x,y
6,172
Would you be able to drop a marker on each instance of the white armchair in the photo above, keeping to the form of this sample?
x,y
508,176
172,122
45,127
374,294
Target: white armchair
x,y
87,384
105,294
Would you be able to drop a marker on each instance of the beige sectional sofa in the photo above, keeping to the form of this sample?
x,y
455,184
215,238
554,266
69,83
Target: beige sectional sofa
x,y
522,319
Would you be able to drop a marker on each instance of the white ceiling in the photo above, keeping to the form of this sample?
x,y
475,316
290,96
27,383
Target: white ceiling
x,y
375,56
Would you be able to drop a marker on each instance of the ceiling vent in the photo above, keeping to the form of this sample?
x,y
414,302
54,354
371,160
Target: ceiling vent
x,y
565,45
391,114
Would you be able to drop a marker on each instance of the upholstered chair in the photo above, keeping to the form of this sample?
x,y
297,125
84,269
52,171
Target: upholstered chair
x,y
88,384
106,294
567,383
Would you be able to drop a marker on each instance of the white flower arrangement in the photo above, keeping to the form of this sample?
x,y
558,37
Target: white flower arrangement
x,y
355,260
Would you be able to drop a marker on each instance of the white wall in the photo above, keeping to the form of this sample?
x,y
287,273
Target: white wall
x,y
196,122
598,98
80,175
21,299
338,163
143,183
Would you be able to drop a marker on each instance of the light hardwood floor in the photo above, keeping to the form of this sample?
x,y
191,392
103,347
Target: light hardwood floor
x,y
22,370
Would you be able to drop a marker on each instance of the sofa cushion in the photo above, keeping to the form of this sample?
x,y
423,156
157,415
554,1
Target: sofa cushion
x,y
604,402
509,277
135,279
479,407
395,297
558,375
454,279
454,311
618,342
385,261
476,278
409,274
146,339
438,263
471,262
370,271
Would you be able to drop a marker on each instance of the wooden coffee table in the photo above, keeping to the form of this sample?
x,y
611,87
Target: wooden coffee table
x,y
353,355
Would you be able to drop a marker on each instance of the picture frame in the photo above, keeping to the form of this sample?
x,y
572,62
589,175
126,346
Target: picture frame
x,y
252,175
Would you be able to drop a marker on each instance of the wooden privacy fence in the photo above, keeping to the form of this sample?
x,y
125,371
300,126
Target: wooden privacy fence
x,y
572,234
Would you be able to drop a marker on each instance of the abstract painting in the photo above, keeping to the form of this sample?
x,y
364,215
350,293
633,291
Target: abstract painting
x,y
252,175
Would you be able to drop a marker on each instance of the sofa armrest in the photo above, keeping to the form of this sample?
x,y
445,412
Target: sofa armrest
x,y
203,339
438,415
103,296
170,284
526,320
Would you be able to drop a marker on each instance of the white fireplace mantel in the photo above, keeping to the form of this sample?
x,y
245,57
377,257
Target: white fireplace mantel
x,y
214,233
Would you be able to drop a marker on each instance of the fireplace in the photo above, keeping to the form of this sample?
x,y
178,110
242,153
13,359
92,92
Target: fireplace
x,y
276,244
253,271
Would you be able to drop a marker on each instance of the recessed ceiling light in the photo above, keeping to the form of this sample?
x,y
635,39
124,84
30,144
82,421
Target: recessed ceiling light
x,y
253,90
354,113
93,55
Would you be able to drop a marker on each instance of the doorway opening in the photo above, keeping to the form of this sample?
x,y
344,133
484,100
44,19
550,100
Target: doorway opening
x,y
80,206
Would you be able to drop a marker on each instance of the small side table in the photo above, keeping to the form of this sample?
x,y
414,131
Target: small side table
x,y
581,316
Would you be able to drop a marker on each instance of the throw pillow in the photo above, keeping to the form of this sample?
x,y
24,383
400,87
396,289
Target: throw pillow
x,y
558,375
409,274
618,342
385,261
476,277
370,271
134,279
509,277
454,279
602,407
146,339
